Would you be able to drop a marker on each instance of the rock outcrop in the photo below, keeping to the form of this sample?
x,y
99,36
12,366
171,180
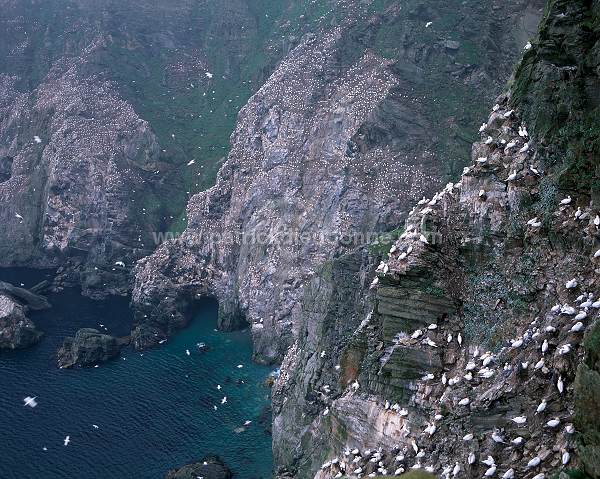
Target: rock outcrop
x,y
89,347
30,299
477,351
331,151
211,467
16,330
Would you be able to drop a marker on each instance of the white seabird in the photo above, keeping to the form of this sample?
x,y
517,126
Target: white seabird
x,y
571,284
510,474
566,201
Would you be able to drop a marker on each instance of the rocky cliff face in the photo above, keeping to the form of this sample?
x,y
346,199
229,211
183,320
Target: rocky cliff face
x,y
106,108
474,352
333,149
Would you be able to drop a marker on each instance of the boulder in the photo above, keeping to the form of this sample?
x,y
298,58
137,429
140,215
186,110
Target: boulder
x,y
211,467
89,347
16,330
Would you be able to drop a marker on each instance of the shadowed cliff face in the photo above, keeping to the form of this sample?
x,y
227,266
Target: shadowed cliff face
x,y
479,335
348,132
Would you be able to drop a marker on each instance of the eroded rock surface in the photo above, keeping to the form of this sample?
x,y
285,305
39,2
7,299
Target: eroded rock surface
x,y
89,347
211,467
16,330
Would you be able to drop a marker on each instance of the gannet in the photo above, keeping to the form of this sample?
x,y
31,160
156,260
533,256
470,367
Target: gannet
x,y
571,284
534,462
510,474
37,139
491,471
67,440
566,201
560,385
542,406
30,401
519,420
525,148
527,46
552,423
464,402
224,400
569,429
564,349
191,162
577,327
489,461
539,364
416,334
517,441
566,457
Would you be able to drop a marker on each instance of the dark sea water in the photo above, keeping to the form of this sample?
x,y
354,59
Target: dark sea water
x,y
154,410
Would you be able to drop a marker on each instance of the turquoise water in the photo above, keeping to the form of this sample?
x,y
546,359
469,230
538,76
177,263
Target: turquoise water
x,y
154,410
